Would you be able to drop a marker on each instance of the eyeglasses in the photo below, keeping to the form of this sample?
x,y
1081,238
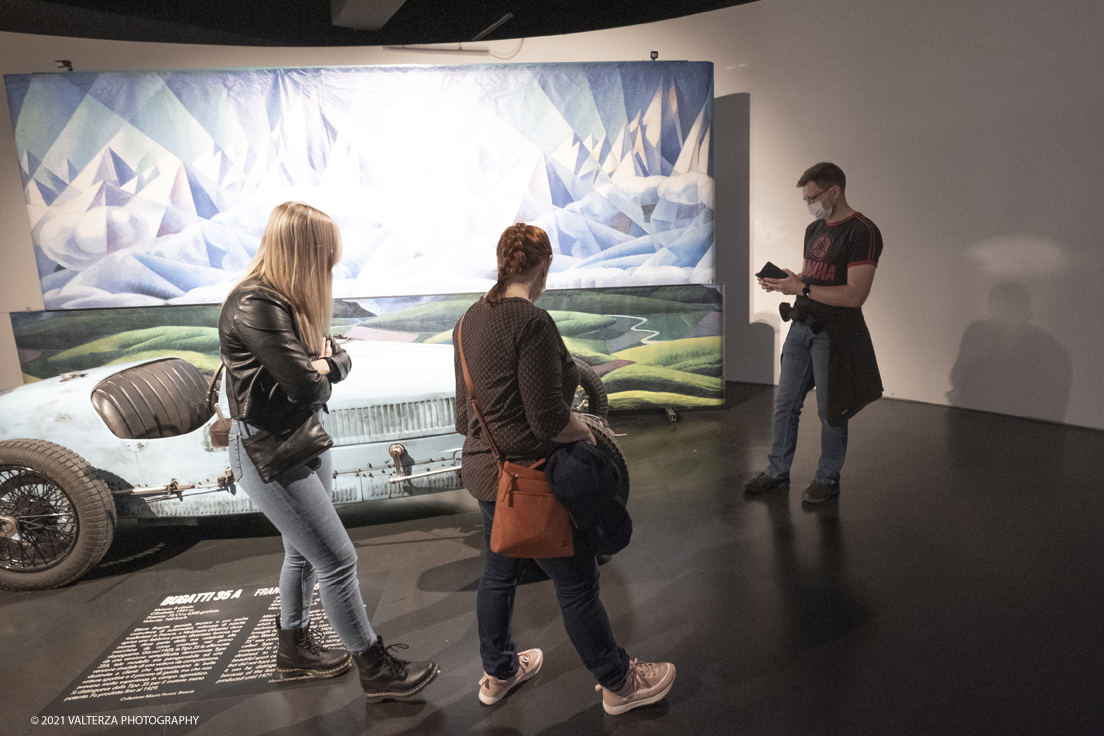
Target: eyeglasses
x,y
810,200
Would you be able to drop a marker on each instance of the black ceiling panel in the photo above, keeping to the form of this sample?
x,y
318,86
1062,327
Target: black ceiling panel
x,y
307,22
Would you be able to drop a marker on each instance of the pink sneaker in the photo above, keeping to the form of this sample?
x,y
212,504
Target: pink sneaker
x,y
492,689
645,683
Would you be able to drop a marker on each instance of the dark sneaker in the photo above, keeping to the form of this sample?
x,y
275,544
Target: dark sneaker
x,y
492,689
763,482
818,492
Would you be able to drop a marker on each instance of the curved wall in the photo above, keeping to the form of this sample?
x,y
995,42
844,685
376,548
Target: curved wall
x,y
970,135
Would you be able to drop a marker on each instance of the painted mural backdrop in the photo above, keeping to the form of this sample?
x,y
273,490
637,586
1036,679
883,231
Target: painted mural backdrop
x,y
148,189
652,346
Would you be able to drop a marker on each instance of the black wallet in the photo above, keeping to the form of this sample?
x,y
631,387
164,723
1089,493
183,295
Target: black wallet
x,y
771,271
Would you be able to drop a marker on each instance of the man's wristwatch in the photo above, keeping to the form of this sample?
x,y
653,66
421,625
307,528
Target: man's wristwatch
x,y
805,291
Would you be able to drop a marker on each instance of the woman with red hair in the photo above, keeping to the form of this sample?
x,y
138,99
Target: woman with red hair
x,y
526,379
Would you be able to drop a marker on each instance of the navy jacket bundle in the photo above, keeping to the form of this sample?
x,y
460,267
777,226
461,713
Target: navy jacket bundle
x,y
586,481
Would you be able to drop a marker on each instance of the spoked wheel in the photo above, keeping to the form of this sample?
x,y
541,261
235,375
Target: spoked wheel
x,y
590,396
57,517
39,525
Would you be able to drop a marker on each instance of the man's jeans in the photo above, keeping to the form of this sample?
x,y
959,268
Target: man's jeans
x,y
316,545
805,365
584,616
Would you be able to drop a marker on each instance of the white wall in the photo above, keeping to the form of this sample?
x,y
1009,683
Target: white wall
x,y
970,134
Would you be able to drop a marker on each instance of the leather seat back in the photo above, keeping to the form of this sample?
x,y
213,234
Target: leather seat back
x,y
164,398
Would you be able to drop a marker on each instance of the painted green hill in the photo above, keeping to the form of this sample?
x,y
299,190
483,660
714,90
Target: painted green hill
x,y
422,319
431,317
673,326
148,342
341,329
347,309
591,352
203,361
683,293
641,377
690,294
625,400
701,355
604,303
47,330
441,338
572,324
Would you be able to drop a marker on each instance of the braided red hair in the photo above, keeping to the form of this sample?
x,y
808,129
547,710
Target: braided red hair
x,y
521,248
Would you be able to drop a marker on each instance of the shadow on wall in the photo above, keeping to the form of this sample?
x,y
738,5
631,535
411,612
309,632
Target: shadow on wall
x,y
1008,365
749,348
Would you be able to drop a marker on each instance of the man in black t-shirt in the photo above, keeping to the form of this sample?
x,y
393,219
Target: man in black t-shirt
x,y
842,249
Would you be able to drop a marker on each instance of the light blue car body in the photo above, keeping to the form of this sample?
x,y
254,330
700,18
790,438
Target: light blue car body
x,y
396,406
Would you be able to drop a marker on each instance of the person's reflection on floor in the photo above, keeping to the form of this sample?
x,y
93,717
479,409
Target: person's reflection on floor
x,y
821,607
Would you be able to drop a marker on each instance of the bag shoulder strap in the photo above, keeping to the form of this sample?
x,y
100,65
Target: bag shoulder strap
x,y
471,392
213,392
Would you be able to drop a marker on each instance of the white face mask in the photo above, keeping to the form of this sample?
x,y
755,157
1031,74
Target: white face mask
x,y
817,209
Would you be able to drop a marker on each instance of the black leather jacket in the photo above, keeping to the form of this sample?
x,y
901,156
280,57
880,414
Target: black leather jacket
x,y
271,383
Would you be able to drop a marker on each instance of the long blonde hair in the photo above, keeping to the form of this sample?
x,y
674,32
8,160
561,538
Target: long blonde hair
x,y
299,249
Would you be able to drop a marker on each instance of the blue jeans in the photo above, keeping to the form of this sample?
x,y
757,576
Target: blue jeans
x,y
805,365
584,616
316,545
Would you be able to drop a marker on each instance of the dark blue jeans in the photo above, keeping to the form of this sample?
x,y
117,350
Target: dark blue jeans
x,y
584,616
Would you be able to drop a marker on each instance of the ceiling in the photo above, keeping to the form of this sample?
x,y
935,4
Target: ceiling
x,y
310,22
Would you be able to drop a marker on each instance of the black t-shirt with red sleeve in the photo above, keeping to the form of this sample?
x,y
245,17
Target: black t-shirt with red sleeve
x,y
831,249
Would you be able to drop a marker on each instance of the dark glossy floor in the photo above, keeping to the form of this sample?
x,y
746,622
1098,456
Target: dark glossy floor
x,y
955,587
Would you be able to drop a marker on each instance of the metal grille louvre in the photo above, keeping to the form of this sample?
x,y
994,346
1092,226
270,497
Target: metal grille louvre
x,y
384,422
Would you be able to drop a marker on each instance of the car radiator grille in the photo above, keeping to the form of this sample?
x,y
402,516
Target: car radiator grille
x,y
391,421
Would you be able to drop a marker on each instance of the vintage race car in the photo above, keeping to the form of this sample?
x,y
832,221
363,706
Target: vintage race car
x,y
79,451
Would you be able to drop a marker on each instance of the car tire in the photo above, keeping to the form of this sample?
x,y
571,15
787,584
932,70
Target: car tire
x,y
591,395
40,480
607,442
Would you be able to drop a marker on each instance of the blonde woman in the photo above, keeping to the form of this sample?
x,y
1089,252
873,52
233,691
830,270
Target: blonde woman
x,y
280,365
